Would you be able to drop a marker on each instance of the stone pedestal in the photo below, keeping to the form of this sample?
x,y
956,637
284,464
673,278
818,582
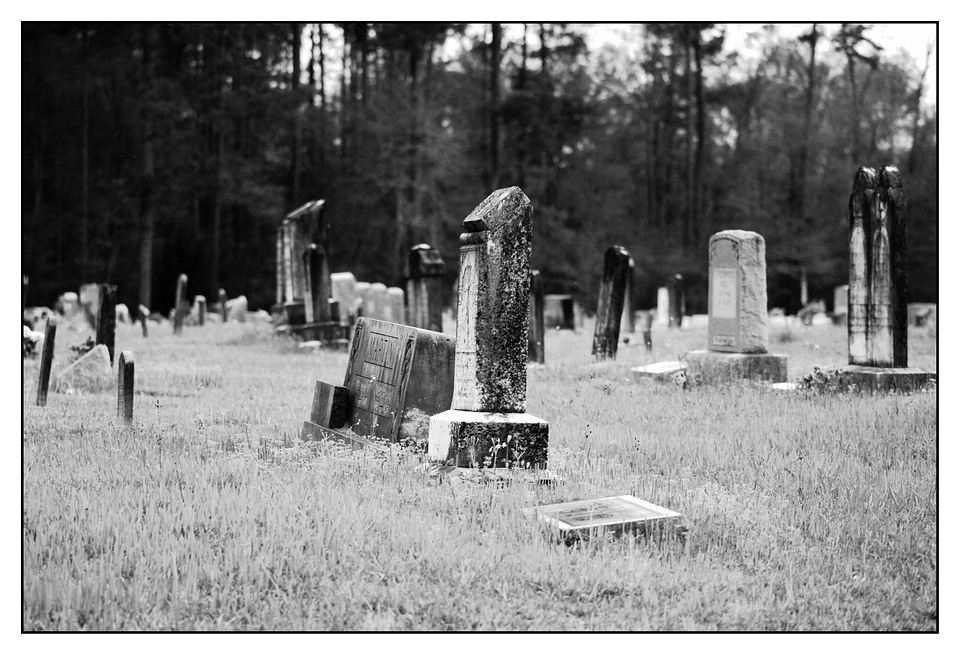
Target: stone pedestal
x,y
486,439
719,367
879,379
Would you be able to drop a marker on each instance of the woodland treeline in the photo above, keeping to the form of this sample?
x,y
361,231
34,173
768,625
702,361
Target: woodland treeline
x,y
150,150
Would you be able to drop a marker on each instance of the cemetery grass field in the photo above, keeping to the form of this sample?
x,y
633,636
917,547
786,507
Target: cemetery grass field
x,y
804,511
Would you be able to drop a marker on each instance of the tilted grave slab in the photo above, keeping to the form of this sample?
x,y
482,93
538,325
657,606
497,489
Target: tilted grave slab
x,y
615,514
397,377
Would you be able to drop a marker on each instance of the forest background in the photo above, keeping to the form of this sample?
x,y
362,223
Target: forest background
x,y
154,149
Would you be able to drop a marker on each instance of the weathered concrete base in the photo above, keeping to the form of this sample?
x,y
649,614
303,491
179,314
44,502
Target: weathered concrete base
x,y
712,366
871,378
469,439
661,371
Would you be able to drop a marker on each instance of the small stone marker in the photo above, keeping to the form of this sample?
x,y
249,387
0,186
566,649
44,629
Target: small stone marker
x,y
648,330
558,312
201,304
143,313
125,372
583,519
425,271
397,376
222,301
877,318
610,304
107,318
91,372
344,291
663,306
330,407
488,424
396,312
180,304
628,318
535,352
46,361
237,309
677,301
737,330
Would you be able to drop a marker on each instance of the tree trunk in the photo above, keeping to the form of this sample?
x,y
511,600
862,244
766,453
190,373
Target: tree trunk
x,y
496,31
295,93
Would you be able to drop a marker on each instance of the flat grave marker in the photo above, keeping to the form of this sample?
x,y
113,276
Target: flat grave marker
x,y
616,514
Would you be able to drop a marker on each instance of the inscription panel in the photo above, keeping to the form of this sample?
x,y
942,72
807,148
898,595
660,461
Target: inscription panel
x,y
723,331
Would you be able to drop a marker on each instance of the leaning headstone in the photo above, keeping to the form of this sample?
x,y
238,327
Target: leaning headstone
x,y
397,377
395,309
425,271
535,334
107,318
91,373
676,295
877,317
180,304
628,318
616,268
200,302
663,306
222,305
125,372
487,424
330,405
585,519
344,291
558,312
46,362
737,332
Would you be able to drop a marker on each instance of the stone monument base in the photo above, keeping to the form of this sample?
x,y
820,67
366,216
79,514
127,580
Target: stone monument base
x,y
875,378
714,366
485,439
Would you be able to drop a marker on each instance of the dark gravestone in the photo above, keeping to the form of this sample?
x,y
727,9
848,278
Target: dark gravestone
x,y
317,288
180,304
330,405
397,377
616,267
125,372
676,300
222,300
107,318
201,302
425,271
535,352
46,362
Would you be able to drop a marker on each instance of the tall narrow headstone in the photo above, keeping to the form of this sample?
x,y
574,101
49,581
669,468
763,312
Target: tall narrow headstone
x,y
425,271
180,304
606,334
125,372
677,300
663,306
46,361
107,318
861,201
201,303
222,301
487,424
535,352
628,318
281,268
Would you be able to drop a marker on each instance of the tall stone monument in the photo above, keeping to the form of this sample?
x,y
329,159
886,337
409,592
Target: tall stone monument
x,y
487,424
877,294
425,271
738,326
613,287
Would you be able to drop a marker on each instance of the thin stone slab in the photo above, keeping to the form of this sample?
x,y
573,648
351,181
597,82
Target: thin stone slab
x,y
737,293
714,367
485,439
659,371
884,380
90,373
614,514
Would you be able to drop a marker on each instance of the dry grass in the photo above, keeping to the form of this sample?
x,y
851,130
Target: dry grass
x,y
805,512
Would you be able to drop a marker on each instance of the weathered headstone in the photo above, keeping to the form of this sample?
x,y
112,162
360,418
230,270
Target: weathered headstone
x,y
877,317
330,405
487,424
583,519
628,318
663,306
677,301
364,302
344,291
180,304
91,372
425,271
90,302
107,318
237,309
222,303
395,309
737,331
200,302
535,352
46,361
125,373
840,295
317,289
378,301
397,376
616,268
648,330
558,312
